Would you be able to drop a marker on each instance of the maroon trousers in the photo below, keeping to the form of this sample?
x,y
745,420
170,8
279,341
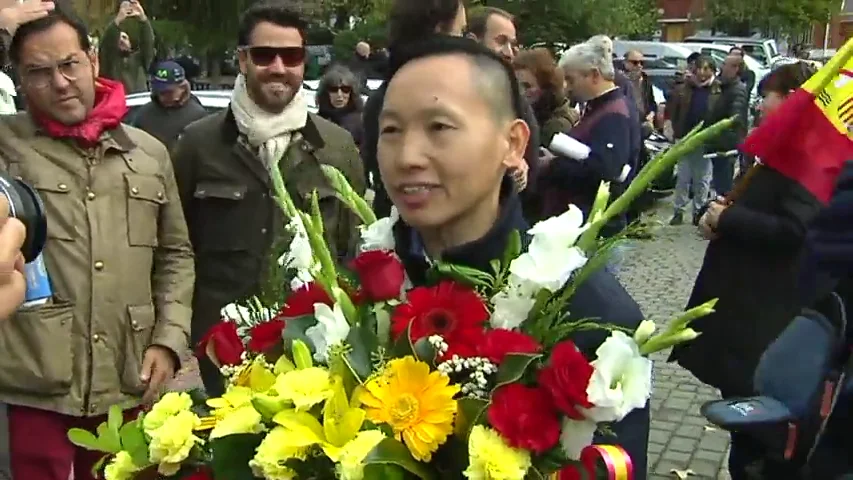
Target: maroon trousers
x,y
39,448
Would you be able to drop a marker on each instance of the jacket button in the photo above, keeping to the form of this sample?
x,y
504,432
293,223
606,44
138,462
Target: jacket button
x,y
134,190
93,408
62,187
90,195
99,265
237,194
263,230
159,194
96,338
134,324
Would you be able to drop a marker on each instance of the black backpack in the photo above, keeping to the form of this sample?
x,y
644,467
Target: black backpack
x,y
801,379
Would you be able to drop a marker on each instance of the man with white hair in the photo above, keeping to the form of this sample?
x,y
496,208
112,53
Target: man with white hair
x,y
606,127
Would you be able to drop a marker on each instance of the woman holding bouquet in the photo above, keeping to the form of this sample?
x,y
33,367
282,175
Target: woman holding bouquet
x,y
751,265
449,131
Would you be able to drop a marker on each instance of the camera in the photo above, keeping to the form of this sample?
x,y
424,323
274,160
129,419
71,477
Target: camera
x,y
26,205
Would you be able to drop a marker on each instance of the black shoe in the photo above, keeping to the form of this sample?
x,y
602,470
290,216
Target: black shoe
x,y
677,219
696,218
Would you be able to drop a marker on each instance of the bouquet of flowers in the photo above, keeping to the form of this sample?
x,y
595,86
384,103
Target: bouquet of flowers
x,y
358,375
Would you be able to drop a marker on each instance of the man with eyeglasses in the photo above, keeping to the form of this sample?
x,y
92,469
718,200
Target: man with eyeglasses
x,y
222,166
118,257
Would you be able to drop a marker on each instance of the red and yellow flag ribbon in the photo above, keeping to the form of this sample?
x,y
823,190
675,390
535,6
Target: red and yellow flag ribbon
x,y
615,459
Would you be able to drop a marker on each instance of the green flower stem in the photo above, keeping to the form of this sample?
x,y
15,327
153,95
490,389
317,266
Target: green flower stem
x,y
684,320
348,195
667,340
282,196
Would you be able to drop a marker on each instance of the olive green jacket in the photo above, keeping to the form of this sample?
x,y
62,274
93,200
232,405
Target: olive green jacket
x,y
119,261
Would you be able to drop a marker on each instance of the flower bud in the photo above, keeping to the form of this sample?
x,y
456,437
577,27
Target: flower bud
x,y
644,331
302,355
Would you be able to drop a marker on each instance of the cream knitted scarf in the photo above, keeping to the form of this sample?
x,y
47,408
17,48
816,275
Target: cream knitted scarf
x,y
270,133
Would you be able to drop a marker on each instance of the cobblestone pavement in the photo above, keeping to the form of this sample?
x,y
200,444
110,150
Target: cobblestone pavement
x,y
659,273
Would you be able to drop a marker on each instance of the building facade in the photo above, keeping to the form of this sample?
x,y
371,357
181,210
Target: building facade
x,y
840,28
679,18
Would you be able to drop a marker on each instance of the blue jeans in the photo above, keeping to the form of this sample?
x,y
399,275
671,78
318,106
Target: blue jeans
x,y
693,169
724,173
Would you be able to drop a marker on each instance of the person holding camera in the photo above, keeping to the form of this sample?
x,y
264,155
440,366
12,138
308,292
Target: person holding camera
x,y
120,59
117,255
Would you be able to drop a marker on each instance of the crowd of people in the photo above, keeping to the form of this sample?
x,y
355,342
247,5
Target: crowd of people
x,y
153,227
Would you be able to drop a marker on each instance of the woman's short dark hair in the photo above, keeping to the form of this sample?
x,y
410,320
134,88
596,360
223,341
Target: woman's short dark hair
x,y
63,13
412,20
705,60
275,12
786,78
339,76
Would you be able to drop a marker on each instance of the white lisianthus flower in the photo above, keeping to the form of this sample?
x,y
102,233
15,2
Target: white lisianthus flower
x,y
512,304
547,264
575,436
331,329
564,229
379,235
621,381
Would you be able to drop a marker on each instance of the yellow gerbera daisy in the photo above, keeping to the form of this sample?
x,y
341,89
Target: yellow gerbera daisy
x,y
417,404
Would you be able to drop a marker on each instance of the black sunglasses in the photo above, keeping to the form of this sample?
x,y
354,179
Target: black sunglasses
x,y
638,63
340,88
264,56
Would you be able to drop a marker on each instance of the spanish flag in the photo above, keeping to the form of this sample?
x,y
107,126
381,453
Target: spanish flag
x,y
810,136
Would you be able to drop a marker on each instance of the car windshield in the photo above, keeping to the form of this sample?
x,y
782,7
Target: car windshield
x,y
757,52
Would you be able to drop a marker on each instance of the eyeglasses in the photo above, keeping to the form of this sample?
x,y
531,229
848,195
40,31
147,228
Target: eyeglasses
x,y
42,77
265,56
341,88
636,63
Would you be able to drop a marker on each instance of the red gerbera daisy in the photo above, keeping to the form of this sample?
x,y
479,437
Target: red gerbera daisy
x,y
448,309
301,302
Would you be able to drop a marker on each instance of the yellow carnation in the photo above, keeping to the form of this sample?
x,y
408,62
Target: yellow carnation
x,y
169,405
417,404
172,443
350,466
121,467
239,420
272,453
492,459
305,388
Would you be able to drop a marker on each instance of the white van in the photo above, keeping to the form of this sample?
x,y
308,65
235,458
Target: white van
x,y
763,50
670,53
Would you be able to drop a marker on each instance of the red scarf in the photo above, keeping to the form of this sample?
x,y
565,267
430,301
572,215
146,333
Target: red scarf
x,y
110,108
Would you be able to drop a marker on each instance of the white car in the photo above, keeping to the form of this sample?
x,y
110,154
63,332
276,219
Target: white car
x,y
211,100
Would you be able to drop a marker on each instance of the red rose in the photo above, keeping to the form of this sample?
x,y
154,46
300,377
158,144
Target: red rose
x,y
525,417
381,274
566,378
266,335
301,302
453,311
500,342
223,343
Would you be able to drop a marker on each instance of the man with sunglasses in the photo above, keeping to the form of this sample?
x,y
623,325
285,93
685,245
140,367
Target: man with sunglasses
x,y
642,93
222,168
117,256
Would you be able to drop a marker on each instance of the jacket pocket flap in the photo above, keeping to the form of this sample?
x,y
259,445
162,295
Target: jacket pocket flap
x,y
225,191
53,185
323,191
145,187
142,317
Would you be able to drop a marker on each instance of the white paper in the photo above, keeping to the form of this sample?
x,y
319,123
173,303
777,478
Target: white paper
x,y
567,146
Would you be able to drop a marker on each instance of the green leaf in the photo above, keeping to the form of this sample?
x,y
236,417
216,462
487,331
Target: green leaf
x,y
98,467
496,266
466,275
231,455
86,439
403,347
513,248
513,368
362,341
108,438
295,330
384,471
133,442
115,417
470,412
392,452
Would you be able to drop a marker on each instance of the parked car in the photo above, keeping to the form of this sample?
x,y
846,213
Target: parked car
x,y
212,100
667,55
762,49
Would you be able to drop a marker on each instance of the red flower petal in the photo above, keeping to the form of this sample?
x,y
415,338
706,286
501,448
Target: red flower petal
x,y
566,379
499,342
381,274
227,345
265,336
451,310
301,302
525,417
